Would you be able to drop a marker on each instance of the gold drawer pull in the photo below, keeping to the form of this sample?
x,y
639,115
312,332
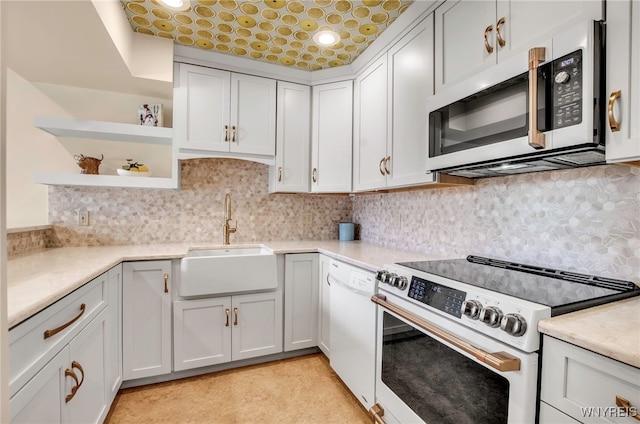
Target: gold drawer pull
x,y
69,373
314,175
235,316
279,174
488,46
501,41
377,412
166,279
386,165
626,405
226,133
51,333
233,133
380,166
614,124
226,311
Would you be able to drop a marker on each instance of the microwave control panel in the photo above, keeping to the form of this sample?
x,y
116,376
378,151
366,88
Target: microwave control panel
x,y
567,90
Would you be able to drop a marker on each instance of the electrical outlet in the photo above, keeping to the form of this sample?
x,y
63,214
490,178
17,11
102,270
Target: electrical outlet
x,y
82,217
307,218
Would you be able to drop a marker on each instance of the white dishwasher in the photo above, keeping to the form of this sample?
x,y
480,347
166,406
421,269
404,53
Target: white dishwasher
x,y
353,329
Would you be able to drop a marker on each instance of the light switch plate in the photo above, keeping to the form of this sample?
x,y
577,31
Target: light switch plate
x,y
82,217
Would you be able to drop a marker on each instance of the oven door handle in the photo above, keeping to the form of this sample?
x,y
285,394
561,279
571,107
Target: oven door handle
x,y
502,361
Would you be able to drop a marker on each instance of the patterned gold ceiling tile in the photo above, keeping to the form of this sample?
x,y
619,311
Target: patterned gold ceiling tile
x,y
143,22
183,19
243,32
284,29
203,23
334,18
308,25
276,4
266,26
246,21
204,34
203,12
295,7
187,41
204,44
270,14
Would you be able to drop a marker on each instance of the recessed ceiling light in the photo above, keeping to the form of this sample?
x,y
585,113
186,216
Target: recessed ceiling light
x,y
326,38
176,4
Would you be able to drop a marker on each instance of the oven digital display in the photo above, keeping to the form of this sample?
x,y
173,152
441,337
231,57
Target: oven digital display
x,y
443,298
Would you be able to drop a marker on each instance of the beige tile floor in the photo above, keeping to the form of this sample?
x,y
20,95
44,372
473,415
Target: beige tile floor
x,y
297,390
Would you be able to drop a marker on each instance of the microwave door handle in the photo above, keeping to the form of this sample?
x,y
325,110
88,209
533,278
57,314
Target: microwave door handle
x,y
502,361
536,137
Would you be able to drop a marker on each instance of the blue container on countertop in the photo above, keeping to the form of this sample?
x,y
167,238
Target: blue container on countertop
x,y
346,231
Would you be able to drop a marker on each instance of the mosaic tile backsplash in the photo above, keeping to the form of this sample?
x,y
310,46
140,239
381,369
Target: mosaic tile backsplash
x,y
28,240
586,220
195,213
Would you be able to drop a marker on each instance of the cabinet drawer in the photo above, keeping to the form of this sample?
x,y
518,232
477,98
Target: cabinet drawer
x,y
30,349
584,385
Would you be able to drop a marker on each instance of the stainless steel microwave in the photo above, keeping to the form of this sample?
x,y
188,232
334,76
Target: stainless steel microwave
x,y
537,111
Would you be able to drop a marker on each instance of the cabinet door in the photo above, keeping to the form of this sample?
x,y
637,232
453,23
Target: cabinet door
x,y
370,163
257,325
324,311
113,359
253,115
526,23
146,319
293,139
201,333
410,83
460,49
87,353
331,137
300,301
623,68
41,400
201,113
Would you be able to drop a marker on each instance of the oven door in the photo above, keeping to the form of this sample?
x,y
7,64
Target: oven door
x,y
429,369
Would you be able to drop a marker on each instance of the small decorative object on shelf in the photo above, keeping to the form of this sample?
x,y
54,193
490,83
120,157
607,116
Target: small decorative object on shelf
x,y
150,115
88,165
134,169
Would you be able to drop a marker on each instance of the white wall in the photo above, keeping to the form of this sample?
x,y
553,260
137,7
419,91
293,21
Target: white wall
x,y
30,149
4,349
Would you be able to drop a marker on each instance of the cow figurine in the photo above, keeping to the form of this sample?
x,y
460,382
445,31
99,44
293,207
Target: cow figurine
x,y
88,165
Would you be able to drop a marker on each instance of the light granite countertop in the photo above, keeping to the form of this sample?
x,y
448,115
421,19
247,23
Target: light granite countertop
x,y
38,279
611,330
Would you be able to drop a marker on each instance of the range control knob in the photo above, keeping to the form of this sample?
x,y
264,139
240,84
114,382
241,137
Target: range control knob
x,y
471,308
513,324
562,77
399,281
380,275
491,316
392,280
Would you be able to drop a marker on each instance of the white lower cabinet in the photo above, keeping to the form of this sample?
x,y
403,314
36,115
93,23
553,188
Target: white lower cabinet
x,y
223,329
146,319
113,360
300,301
71,388
582,386
324,303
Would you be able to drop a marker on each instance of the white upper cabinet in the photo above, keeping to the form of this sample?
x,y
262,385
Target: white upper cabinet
x,y
331,137
473,35
223,114
623,81
390,120
293,138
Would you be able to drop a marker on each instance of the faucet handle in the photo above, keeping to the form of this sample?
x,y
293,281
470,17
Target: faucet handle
x,y
233,229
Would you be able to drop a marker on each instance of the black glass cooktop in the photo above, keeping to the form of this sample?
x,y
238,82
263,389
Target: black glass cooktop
x,y
562,291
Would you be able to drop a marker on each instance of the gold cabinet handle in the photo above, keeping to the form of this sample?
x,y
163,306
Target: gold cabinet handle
x,y
377,412
226,133
69,373
235,316
227,312
233,134
502,361
501,41
51,333
166,279
386,165
279,174
614,124
536,57
626,405
380,166
488,46
314,176
74,389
